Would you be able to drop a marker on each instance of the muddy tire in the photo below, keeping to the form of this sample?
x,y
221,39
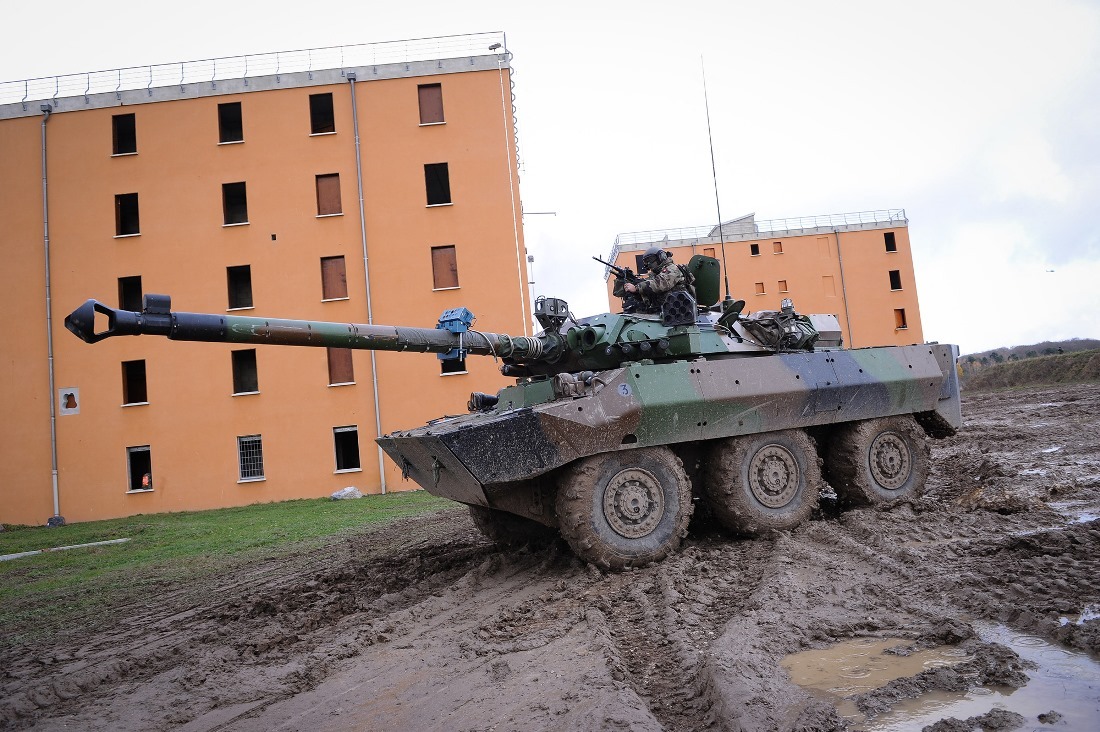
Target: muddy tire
x,y
508,529
764,482
625,509
878,460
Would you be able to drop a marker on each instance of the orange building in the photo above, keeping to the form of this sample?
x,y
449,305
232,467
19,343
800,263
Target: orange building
x,y
380,186
856,266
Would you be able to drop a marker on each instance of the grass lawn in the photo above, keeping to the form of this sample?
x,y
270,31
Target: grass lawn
x,y
42,593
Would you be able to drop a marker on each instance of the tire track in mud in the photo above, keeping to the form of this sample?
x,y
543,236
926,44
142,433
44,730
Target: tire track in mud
x,y
694,642
260,621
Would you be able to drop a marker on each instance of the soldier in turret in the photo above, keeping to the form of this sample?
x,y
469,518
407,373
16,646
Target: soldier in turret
x,y
665,276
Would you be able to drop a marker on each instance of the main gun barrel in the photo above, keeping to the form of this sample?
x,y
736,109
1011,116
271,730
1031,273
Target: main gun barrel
x,y
156,318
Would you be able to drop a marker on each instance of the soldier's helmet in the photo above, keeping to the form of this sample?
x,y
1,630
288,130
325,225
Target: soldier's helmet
x,y
654,257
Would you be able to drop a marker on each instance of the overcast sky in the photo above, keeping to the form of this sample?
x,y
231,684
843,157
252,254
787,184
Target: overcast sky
x,y
981,119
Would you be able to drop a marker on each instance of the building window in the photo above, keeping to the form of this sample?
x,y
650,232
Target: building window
x,y
444,268
234,204
134,389
452,366
250,457
638,266
708,252
126,214
759,288
245,378
239,283
431,103
754,250
346,442
139,466
891,242
129,293
783,286
123,134
321,118
334,279
899,319
437,180
340,369
230,122
777,247
828,286
895,279
328,195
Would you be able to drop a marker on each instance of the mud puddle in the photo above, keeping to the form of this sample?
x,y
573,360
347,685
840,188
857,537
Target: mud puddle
x,y
1063,681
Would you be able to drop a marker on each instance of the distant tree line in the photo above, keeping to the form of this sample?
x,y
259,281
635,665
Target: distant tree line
x,y
974,362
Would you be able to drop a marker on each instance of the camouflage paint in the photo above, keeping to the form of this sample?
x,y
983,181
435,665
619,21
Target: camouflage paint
x,y
702,383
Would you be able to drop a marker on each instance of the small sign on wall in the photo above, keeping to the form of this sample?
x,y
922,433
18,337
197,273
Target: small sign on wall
x,y
68,401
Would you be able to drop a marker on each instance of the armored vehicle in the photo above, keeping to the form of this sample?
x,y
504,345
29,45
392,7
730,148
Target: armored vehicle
x,y
617,424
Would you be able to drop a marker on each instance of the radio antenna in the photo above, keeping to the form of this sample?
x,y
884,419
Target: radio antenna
x,y
714,175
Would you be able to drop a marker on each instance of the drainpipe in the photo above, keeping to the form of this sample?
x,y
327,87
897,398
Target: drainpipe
x,y
366,277
503,54
844,290
57,519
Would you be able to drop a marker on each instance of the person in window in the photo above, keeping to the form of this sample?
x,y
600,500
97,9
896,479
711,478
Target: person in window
x,y
665,276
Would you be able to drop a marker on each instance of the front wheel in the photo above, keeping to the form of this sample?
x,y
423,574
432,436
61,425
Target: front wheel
x,y
878,460
625,509
762,482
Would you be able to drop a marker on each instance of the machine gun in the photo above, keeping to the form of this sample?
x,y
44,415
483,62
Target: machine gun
x,y
633,302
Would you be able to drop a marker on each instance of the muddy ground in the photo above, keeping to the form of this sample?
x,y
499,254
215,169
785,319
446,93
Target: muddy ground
x,y
424,625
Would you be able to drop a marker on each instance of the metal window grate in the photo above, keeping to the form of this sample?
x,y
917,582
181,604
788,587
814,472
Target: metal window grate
x,y
250,457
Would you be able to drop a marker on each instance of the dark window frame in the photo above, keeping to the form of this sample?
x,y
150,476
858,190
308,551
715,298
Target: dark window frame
x,y
238,285
322,115
895,280
230,123
234,204
136,470
246,377
891,241
437,184
127,215
348,458
754,250
135,383
452,366
128,299
124,134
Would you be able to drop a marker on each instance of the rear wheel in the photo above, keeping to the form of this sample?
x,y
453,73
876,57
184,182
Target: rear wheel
x,y
508,529
625,509
768,481
878,460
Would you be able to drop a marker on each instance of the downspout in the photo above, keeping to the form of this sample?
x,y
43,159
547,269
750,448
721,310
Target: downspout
x,y
366,277
844,290
505,53
57,519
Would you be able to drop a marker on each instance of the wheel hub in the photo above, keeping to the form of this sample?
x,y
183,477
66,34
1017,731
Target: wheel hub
x,y
890,461
633,503
774,476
